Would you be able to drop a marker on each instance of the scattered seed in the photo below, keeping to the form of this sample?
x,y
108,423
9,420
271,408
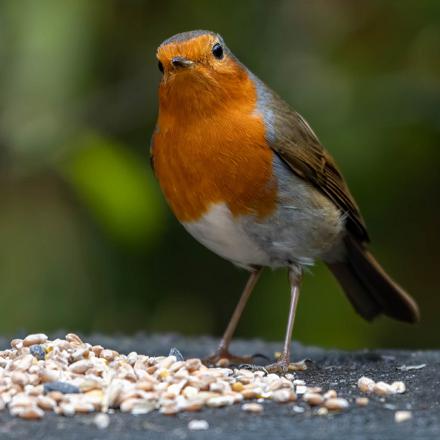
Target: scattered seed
x,y
67,409
74,339
83,407
219,401
192,405
398,387
17,344
283,395
198,425
301,389
362,401
30,413
69,376
97,349
80,367
46,375
24,362
166,362
330,394
323,411
20,378
314,390
193,364
143,407
80,353
365,384
56,395
219,387
313,399
237,386
382,389
35,339
102,421
251,393
112,394
108,355
255,408
169,410
336,404
46,403
402,416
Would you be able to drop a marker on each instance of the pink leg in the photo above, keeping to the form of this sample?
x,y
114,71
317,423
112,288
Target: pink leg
x,y
282,364
223,348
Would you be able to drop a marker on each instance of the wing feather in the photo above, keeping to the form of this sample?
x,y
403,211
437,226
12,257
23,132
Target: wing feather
x,y
298,146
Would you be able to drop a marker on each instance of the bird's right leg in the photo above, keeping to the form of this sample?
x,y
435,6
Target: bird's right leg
x,y
222,351
282,364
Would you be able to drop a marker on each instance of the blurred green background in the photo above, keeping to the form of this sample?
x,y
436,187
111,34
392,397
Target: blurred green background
x,y
86,239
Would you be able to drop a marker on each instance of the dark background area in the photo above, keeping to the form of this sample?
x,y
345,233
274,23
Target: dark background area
x,y
86,239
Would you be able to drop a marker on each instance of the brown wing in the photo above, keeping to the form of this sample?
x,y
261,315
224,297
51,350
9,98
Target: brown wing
x,y
297,145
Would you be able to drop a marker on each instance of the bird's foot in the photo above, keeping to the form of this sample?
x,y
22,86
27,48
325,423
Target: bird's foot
x,y
223,358
253,368
281,366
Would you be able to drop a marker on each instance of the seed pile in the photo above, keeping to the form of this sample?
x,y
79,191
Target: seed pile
x,y
367,385
69,376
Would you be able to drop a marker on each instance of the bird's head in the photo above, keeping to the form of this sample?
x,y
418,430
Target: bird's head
x,y
199,72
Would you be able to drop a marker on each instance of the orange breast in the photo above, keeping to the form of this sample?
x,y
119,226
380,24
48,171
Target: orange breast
x,y
221,157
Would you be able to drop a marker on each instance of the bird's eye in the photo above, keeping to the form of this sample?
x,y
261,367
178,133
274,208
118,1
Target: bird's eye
x,y
160,65
217,51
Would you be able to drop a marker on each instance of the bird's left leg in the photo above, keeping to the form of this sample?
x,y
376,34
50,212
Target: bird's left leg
x,y
222,351
282,364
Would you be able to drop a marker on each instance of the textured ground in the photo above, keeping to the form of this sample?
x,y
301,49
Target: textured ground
x,y
329,369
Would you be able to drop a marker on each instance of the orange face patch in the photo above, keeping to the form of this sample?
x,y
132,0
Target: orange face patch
x,y
196,49
209,146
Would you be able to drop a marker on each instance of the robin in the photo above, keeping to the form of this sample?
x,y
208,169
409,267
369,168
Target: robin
x,y
248,178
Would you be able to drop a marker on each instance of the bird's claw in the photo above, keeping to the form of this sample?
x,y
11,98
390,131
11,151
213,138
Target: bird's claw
x,y
223,358
253,368
279,367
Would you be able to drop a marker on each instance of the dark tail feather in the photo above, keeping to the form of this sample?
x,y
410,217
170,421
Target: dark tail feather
x,y
369,288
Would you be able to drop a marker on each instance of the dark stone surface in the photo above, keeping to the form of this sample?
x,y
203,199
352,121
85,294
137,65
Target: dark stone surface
x,y
330,369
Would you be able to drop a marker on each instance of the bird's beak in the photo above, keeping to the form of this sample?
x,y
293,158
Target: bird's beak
x,y
179,62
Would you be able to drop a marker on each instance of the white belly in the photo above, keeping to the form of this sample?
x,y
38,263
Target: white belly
x,y
304,227
224,235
